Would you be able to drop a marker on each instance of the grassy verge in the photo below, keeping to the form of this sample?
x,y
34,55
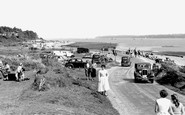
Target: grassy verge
x,y
173,77
70,91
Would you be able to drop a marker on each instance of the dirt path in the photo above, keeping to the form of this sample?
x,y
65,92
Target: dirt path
x,y
131,98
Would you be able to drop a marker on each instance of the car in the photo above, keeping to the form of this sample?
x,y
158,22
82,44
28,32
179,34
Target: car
x,y
87,57
125,61
75,63
82,50
96,58
143,72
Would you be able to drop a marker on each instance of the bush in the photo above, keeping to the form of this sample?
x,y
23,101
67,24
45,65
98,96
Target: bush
x,y
171,76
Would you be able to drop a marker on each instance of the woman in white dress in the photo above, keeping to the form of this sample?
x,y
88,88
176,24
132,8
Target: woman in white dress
x,y
103,83
177,107
163,105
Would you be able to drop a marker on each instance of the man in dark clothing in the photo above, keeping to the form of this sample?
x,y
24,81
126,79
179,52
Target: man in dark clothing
x,y
93,73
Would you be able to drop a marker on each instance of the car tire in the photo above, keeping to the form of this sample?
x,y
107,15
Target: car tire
x,y
70,66
151,80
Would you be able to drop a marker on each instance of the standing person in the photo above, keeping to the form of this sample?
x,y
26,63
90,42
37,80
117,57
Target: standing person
x,y
103,83
177,107
93,72
163,105
19,72
87,70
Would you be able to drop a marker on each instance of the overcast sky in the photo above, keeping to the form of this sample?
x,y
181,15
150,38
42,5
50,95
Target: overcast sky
x,y
91,18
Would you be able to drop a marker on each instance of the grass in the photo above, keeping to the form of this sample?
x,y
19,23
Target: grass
x,y
66,92
172,77
79,94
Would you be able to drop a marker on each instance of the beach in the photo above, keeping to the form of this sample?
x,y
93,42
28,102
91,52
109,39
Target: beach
x,y
161,49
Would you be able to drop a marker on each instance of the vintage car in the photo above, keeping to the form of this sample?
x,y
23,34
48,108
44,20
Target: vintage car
x,y
87,57
143,72
75,63
96,58
125,61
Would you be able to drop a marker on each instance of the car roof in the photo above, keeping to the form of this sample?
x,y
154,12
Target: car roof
x,y
143,63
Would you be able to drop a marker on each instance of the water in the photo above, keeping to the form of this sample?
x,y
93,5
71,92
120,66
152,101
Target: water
x,y
158,44
163,44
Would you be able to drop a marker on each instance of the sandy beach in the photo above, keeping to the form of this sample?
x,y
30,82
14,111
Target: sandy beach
x,y
178,60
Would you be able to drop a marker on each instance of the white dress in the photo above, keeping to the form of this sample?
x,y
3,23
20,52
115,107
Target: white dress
x,y
103,84
164,105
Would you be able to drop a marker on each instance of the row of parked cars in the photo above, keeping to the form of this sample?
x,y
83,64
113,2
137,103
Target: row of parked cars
x,y
91,58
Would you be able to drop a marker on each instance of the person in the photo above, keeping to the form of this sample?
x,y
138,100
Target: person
x,y
163,105
93,72
19,72
177,107
7,71
103,83
87,70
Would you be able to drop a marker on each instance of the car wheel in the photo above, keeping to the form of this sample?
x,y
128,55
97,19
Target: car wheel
x,y
151,80
70,67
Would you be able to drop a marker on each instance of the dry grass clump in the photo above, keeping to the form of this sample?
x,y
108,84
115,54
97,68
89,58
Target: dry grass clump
x,y
14,62
171,76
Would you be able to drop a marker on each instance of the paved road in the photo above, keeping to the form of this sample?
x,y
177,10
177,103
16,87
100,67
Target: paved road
x,y
133,98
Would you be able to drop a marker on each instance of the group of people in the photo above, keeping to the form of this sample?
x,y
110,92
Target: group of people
x,y
164,106
134,53
90,70
103,83
19,73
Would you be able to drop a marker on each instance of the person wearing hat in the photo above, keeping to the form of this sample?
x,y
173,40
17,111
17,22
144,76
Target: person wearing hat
x,y
19,72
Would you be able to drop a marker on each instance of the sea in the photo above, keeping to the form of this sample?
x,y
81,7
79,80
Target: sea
x,y
151,44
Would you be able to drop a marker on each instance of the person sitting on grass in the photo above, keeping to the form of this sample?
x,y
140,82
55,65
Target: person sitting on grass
x,y
19,72
6,71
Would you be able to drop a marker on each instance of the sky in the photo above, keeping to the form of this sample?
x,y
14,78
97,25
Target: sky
x,y
90,18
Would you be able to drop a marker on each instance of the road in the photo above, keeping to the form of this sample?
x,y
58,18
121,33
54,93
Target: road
x,y
131,98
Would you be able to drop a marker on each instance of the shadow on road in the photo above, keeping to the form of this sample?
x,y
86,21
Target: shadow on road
x,y
129,80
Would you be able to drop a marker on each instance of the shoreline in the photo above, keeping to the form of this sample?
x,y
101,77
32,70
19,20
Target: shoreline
x,y
178,57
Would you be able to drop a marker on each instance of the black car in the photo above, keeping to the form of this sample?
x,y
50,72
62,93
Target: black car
x,y
75,63
96,58
143,72
125,61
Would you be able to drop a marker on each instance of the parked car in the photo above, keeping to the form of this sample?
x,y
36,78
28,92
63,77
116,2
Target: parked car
x,y
96,58
87,57
75,63
82,50
125,61
143,72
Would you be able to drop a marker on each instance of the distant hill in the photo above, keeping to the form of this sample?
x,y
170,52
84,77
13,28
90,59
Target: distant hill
x,y
8,35
145,36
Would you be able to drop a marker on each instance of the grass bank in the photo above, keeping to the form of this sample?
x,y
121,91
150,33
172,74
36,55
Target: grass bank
x,y
65,91
173,77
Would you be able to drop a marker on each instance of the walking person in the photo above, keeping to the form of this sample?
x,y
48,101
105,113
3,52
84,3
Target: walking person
x,y
103,83
177,107
163,105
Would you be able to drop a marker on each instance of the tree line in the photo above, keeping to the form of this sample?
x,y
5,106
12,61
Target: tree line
x,y
17,34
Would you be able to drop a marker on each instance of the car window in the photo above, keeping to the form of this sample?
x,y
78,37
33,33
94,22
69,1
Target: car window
x,y
72,60
79,59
